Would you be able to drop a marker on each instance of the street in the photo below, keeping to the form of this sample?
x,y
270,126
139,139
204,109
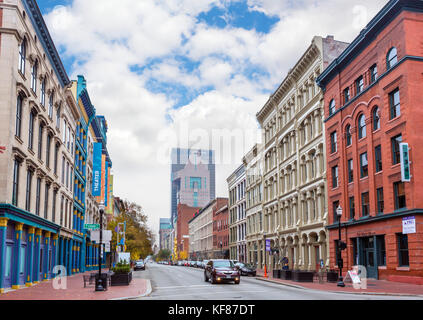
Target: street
x,y
184,283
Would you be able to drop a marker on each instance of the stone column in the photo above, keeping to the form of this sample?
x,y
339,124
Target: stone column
x,y
3,231
319,208
54,251
295,210
46,271
37,249
30,256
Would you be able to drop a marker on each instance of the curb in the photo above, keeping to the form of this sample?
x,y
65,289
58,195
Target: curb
x,y
147,292
346,292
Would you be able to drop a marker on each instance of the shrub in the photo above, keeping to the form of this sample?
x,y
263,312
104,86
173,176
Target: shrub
x,y
122,268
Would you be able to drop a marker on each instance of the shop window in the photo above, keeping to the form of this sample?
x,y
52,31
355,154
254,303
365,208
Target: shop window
x,y
381,250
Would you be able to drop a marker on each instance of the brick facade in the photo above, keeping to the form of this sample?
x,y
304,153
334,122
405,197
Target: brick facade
x,y
185,214
221,229
373,238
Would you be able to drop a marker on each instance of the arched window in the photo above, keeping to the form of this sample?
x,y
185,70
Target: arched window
x,y
50,105
59,111
391,58
22,56
43,92
348,135
361,126
376,118
19,116
34,76
332,107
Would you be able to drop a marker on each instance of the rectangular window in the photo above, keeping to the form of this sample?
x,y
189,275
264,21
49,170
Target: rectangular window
x,y
47,190
56,154
365,205
18,116
335,206
48,147
394,103
399,195
352,208
37,198
40,141
31,131
373,73
381,250
364,165
378,158
350,171
61,210
359,85
346,95
333,142
335,181
28,190
53,207
380,200
15,186
403,257
63,170
396,153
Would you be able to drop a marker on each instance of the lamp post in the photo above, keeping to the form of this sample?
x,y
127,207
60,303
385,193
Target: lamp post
x,y
340,261
99,283
221,250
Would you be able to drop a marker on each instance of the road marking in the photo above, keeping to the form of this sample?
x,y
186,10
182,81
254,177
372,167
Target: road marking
x,y
205,294
176,287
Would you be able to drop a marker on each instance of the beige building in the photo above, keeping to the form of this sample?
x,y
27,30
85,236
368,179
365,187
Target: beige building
x,y
38,116
201,233
294,178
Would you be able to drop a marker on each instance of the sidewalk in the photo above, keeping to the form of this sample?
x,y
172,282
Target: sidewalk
x,y
378,287
76,291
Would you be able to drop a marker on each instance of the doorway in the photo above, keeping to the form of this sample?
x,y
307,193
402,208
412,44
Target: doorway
x,y
369,256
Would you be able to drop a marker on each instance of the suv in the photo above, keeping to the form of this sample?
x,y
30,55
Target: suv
x,y
221,271
139,265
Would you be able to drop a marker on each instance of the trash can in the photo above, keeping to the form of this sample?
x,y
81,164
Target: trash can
x,y
103,280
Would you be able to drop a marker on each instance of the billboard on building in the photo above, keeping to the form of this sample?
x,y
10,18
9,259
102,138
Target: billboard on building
x,y
96,189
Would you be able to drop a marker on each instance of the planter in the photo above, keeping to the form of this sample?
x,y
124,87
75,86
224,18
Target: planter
x,y
276,274
302,276
286,274
121,279
332,276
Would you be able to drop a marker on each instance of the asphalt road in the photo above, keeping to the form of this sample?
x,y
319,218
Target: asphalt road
x,y
184,283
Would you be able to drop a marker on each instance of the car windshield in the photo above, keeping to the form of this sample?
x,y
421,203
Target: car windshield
x,y
223,264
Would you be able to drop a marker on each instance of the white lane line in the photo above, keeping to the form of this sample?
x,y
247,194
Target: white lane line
x,y
182,287
207,294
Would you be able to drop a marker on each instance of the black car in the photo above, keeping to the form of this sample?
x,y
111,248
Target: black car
x,y
139,265
218,271
246,269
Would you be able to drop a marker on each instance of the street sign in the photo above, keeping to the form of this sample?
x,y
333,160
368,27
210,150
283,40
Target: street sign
x,y
408,225
94,226
95,236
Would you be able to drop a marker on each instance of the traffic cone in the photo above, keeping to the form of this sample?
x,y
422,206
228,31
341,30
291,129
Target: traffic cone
x,y
265,271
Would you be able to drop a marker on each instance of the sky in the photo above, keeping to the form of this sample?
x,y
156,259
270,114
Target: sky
x,y
187,73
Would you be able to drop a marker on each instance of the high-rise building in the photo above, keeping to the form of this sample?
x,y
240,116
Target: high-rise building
x,y
192,178
165,229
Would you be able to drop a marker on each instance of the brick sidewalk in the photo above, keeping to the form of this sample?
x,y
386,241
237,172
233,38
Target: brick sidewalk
x,y
373,287
76,291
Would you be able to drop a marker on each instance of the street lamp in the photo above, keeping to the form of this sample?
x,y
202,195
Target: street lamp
x,y
99,283
221,250
340,261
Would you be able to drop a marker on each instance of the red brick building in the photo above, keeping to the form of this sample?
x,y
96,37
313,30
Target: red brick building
x,y
185,214
374,102
221,229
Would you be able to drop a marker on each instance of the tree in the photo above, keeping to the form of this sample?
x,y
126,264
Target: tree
x,y
139,238
164,254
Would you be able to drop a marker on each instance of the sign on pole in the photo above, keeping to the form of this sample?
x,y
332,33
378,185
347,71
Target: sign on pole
x,y
405,162
94,226
95,236
408,225
268,245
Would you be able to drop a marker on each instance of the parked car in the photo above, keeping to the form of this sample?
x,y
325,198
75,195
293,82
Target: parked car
x,y
139,265
205,263
218,271
192,263
246,269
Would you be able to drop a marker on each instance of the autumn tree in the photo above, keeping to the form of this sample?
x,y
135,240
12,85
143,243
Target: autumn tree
x,y
139,238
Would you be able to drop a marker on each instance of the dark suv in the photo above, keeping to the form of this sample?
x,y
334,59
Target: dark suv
x,y
219,271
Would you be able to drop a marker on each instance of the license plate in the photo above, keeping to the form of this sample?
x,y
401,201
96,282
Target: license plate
x,y
228,277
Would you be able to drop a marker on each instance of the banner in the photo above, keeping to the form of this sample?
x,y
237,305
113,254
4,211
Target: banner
x,y
110,202
97,169
106,187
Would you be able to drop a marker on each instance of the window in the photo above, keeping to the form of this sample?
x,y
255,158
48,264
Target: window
x,y
359,85
335,177
40,140
67,174
365,206
396,153
50,105
37,198
373,73
380,202
348,135
53,209
28,190
350,171
381,248
352,208
376,118
391,58
22,56
47,190
31,130
61,210
399,195
361,126
43,92
34,74
48,147
378,158
333,142
15,186
56,153
59,110
364,165
394,103
68,139
18,116
64,131
403,257
332,107
63,170
346,95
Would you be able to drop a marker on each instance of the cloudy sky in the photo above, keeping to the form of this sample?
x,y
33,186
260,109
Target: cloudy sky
x,y
178,72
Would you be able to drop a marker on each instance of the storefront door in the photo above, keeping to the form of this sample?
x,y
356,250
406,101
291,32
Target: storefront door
x,y
8,271
369,257
317,260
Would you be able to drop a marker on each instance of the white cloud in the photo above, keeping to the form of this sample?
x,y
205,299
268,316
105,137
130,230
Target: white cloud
x,y
107,40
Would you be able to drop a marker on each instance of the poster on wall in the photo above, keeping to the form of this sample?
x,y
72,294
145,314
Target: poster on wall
x,y
408,225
